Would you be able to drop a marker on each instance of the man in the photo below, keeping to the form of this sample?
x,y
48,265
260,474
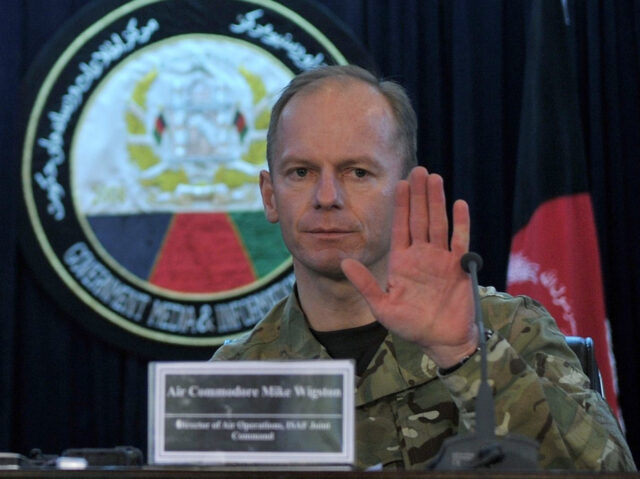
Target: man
x,y
379,281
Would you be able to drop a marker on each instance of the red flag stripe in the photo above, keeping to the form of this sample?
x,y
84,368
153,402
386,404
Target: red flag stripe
x,y
555,259
202,254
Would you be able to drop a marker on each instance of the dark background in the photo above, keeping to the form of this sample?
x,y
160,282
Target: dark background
x,y
463,63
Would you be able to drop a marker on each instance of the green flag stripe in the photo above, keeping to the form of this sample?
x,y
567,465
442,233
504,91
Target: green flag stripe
x,y
262,241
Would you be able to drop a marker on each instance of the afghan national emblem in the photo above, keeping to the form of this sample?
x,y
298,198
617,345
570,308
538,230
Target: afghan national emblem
x,y
145,135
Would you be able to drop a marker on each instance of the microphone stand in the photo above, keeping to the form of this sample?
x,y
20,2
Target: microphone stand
x,y
482,449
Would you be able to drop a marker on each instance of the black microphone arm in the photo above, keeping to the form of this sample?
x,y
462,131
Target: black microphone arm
x,y
482,448
486,422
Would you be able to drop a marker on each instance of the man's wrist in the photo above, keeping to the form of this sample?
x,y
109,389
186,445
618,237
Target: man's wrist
x,y
443,371
446,355
458,365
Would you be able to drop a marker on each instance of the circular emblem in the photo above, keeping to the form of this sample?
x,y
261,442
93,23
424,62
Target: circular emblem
x,y
144,137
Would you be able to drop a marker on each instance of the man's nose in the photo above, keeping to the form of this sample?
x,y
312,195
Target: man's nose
x,y
328,193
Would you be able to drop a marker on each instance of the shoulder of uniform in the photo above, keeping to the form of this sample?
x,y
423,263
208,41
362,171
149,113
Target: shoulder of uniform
x,y
485,291
264,332
491,295
500,309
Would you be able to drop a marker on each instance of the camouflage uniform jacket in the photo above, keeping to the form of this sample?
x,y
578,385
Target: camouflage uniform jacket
x,y
405,409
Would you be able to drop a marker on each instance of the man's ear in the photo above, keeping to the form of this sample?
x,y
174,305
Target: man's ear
x,y
268,197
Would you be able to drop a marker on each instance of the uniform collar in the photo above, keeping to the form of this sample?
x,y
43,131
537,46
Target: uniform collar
x,y
299,341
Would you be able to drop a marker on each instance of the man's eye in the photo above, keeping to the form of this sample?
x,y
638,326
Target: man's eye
x,y
360,173
301,172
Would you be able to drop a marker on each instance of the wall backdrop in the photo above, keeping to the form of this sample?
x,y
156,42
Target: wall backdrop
x,y
463,63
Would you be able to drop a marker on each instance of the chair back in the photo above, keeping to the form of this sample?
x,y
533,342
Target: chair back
x,y
584,349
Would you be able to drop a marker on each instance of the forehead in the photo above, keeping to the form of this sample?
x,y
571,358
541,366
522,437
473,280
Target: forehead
x,y
337,118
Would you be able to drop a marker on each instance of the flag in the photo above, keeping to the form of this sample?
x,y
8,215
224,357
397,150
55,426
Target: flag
x,y
241,124
554,255
159,127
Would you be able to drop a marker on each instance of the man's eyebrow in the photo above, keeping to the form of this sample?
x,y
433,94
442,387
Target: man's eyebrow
x,y
360,160
286,162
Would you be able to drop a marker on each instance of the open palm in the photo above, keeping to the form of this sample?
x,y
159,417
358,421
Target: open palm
x,y
428,298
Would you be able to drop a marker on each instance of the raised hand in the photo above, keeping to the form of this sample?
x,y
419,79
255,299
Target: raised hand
x,y
428,298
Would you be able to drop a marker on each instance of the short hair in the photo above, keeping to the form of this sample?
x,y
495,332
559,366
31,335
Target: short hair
x,y
396,96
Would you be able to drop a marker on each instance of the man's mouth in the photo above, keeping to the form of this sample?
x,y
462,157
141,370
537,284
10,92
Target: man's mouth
x,y
329,232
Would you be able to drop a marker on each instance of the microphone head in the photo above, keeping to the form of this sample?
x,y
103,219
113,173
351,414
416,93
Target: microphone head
x,y
469,258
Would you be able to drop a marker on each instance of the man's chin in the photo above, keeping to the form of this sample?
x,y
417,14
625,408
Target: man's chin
x,y
327,263
329,269
333,272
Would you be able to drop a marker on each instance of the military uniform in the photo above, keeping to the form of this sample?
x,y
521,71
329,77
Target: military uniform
x,y
405,409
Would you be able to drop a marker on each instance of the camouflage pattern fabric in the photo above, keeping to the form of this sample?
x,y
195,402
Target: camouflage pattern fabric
x,y
405,409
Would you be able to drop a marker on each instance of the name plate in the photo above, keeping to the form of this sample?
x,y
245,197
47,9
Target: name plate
x,y
251,412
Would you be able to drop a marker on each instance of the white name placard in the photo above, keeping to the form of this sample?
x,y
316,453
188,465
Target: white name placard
x,y
251,412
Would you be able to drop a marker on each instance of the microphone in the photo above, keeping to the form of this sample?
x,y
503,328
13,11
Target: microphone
x,y
471,263
482,448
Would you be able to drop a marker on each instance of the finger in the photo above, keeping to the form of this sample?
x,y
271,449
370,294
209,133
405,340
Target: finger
x,y
418,211
461,235
438,221
400,237
363,281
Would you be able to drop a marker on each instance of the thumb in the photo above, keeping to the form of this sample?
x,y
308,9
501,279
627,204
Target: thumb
x,y
363,281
